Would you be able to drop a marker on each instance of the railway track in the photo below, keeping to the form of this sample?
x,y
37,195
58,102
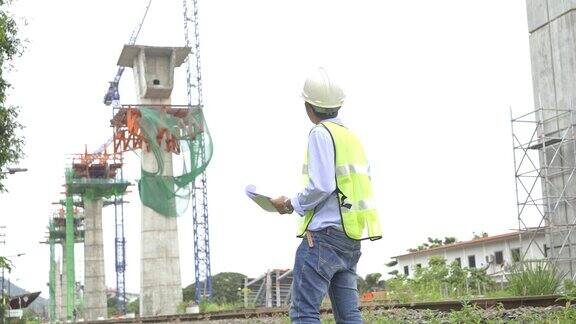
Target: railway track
x,y
507,303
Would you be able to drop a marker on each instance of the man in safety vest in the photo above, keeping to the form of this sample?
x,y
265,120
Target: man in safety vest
x,y
336,208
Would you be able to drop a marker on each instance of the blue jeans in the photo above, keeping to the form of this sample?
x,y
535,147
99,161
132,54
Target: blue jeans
x,y
327,267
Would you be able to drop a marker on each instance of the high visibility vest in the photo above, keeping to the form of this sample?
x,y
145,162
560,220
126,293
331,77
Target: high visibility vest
x,y
357,211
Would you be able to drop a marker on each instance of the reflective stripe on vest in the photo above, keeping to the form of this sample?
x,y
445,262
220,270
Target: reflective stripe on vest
x,y
358,213
360,205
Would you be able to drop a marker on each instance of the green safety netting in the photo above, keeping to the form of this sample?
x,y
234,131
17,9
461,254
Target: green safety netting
x,y
93,188
99,188
167,194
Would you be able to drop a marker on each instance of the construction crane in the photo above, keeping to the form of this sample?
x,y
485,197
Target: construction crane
x,y
112,97
203,276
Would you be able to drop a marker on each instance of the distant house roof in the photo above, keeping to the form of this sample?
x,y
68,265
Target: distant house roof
x,y
477,241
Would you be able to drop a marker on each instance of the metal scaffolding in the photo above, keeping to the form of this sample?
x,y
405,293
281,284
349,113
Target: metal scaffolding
x,y
272,289
544,144
58,229
202,272
69,243
98,176
120,255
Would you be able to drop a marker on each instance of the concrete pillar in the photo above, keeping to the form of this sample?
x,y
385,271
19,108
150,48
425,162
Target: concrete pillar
x,y
277,281
245,290
160,282
63,287
268,294
58,292
552,27
95,306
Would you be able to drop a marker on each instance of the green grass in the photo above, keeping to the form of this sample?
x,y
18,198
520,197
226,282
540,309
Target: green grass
x,y
213,307
468,314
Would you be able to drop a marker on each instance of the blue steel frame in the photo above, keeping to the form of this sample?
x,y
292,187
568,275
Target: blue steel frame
x,y
202,272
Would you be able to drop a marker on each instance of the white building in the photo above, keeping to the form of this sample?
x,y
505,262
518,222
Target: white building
x,y
493,253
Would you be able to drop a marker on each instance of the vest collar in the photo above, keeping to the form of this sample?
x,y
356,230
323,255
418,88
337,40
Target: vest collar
x,y
334,120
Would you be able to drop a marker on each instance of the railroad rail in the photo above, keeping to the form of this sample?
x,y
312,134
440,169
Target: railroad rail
x,y
449,305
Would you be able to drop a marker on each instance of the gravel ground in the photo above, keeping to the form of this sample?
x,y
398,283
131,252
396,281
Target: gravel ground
x,y
552,314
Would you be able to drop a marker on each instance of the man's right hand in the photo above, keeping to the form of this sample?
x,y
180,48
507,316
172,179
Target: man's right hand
x,y
281,205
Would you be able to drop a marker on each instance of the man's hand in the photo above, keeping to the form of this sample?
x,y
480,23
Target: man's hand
x,y
282,205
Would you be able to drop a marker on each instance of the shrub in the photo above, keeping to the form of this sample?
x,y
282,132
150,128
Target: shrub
x,y
440,281
534,278
468,314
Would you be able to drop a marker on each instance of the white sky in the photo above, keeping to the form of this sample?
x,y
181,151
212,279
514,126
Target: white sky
x,y
429,85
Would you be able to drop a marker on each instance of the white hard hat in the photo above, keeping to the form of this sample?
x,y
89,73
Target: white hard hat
x,y
322,92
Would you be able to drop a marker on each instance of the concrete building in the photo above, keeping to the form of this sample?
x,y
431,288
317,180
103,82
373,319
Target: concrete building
x,y
160,282
552,28
493,253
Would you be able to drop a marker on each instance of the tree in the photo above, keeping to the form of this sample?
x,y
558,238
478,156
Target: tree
x,y
225,288
433,242
10,47
134,306
479,236
29,316
373,282
5,264
112,303
188,292
449,240
361,284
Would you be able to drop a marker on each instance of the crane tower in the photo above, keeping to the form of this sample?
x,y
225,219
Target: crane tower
x,y
203,286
